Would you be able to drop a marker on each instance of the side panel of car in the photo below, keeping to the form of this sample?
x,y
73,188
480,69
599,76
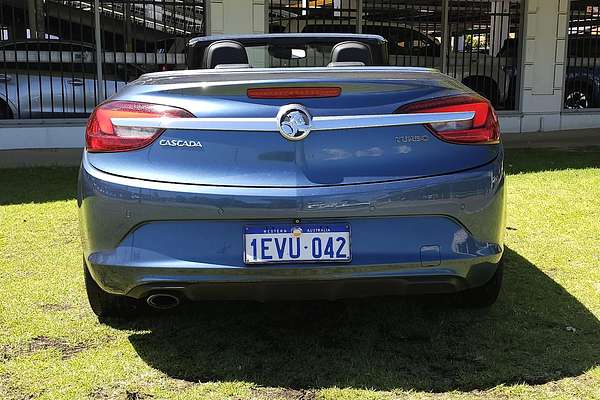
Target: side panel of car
x,y
34,95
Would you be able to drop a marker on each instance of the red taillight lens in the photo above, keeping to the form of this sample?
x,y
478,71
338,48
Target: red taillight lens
x,y
482,129
293,92
102,136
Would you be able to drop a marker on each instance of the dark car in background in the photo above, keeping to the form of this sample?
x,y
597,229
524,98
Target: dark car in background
x,y
582,77
582,81
490,76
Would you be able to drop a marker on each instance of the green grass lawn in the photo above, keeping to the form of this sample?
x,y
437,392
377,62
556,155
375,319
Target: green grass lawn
x,y
541,340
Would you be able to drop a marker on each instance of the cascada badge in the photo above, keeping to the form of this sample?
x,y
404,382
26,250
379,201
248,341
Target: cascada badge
x,y
294,122
181,143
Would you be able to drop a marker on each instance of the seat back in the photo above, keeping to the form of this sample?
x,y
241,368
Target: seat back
x,y
351,52
224,52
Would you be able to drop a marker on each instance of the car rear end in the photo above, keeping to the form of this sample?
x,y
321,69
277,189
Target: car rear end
x,y
198,185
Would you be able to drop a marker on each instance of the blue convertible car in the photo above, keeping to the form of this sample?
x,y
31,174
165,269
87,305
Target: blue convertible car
x,y
253,176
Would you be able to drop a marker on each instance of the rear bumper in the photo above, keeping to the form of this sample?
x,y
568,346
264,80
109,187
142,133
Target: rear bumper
x,y
141,237
345,282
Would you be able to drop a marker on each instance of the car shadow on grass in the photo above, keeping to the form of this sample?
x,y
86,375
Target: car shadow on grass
x,y
537,332
519,161
37,185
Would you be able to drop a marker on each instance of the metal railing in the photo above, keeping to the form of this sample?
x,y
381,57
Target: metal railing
x,y
477,42
484,49
59,58
582,76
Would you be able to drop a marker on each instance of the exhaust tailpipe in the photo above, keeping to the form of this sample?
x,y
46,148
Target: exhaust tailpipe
x,y
162,301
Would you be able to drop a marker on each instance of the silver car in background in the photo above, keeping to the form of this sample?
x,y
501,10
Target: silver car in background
x,y
55,79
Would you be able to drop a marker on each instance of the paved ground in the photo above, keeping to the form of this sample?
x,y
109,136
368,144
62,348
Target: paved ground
x,y
560,139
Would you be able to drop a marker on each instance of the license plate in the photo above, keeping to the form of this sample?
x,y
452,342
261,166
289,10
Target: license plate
x,y
286,243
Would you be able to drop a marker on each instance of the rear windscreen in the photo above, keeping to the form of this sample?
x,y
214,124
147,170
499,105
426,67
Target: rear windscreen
x,y
281,54
308,55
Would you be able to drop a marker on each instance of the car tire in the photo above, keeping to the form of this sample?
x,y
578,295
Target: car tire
x,y
5,111
482,296
579,97
106,304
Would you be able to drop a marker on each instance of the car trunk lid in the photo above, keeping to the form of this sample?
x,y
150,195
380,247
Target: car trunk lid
x,y
208,154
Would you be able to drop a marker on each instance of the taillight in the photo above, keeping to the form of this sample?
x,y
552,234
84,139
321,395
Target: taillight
x,y
102,136
293,92
482,129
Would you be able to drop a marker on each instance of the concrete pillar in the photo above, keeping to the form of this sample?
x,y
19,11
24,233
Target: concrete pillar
x,y
240,16
128,24
31,18
543,70
237,16
19,23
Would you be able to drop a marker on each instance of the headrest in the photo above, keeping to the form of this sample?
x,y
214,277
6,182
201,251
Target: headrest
x,y
346,64
224,52
351,52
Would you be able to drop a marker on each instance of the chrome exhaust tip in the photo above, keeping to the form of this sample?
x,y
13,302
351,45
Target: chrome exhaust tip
x,y
162,301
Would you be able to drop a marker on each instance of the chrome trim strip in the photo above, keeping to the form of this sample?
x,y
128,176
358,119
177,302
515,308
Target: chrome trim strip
x,y
270,124
377,121
207,124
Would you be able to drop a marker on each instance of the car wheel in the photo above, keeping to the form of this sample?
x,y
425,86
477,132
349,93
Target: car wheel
x,y
578,98
482,296
105,304
5,112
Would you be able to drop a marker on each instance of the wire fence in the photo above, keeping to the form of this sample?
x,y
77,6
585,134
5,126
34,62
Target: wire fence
x,y
52,67
582,81
477,42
